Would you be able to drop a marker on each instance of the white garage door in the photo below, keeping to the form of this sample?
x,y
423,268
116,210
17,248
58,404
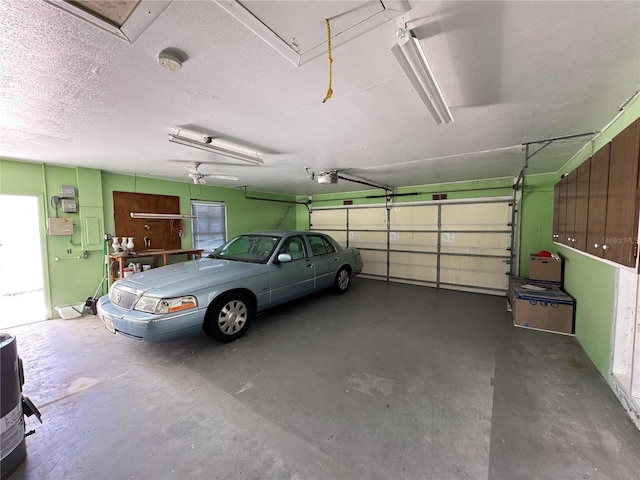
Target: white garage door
x,y
461,245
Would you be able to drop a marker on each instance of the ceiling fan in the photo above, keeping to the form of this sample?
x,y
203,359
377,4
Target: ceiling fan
x,y
199,178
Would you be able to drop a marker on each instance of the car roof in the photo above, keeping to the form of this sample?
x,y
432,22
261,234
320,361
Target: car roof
x,y
279,233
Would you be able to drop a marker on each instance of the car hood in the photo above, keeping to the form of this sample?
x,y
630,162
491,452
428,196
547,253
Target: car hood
x,y
188,277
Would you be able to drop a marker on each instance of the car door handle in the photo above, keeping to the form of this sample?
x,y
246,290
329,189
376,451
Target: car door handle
x,y
309,265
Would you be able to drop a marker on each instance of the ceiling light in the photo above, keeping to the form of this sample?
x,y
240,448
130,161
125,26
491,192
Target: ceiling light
x,y
413,61
161,216
219,146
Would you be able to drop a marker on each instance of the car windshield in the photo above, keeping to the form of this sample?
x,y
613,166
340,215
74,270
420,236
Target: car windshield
x,y
247,248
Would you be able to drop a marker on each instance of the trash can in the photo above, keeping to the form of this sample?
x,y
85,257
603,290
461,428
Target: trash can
x,y
13,407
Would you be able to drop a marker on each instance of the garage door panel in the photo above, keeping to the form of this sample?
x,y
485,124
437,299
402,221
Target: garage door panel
x,y
419,217
479,243
374,263
413,266
476,216
418,241
368,219
490,273
338,236
329,219
376,240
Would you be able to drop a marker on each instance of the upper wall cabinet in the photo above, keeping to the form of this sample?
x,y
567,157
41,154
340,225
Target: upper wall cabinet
x,y
597,215
622,205
556,212
570,215
562,210
598,203
582,205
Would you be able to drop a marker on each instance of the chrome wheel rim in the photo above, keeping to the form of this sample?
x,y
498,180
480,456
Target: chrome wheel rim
x,y
343,279
232,317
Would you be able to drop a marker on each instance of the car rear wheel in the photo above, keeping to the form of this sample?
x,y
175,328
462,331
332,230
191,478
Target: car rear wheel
x,y
343,280
229,317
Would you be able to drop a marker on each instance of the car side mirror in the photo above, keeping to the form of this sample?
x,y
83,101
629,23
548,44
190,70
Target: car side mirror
x,y
284,258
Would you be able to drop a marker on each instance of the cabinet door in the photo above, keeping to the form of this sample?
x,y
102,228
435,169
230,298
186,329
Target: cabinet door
x,y
582,205
562,211
622,197
570,220
556,211
598,184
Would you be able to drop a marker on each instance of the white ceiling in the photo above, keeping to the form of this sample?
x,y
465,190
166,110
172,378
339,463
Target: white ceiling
x,y
512,72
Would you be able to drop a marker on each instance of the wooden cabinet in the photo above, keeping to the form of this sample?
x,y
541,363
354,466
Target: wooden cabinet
x,y
582,206
556,212
621,229
562,211
596,206
570,215
597,215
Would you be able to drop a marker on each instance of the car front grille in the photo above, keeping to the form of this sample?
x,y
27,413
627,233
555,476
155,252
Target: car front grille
x,y
122,298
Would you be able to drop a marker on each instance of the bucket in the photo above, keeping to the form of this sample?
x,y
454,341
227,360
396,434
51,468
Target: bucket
x,y
74,310
13,448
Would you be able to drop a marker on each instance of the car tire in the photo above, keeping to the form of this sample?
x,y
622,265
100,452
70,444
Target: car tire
x,y
229,317
342,281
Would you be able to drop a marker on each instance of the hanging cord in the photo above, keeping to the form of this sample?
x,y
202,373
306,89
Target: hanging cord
x,y
329,90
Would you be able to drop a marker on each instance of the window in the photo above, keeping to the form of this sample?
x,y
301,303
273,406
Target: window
x,y
320,245
295,247
209,226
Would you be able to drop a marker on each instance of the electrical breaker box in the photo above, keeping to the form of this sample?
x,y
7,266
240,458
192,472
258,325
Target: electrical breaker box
x,y
60,226
69,206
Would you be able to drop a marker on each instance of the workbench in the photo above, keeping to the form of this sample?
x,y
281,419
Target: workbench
x,y
122,259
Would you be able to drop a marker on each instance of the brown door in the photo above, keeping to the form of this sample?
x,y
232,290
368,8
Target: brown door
x,y
582,206
598,184
570,220
556,211
562,211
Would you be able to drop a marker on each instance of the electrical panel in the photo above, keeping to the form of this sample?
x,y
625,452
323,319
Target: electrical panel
x,y
59,226
67,191
69,205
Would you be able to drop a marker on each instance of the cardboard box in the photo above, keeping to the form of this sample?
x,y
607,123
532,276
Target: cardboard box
x,y
550,310
546,269
515,282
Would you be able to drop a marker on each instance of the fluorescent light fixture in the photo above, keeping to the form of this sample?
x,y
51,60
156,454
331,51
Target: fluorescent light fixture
x,y
161,216
219,146
413,61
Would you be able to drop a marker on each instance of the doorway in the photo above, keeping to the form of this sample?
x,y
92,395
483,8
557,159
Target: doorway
x,y
22,298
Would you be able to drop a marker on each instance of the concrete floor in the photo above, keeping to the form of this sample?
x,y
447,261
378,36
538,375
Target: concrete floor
x,y
386,382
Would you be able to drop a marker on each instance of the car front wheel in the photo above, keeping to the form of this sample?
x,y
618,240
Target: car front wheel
x,y
229,317
343,280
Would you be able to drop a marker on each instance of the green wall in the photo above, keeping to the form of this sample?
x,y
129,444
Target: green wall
x,y
70,274
536,218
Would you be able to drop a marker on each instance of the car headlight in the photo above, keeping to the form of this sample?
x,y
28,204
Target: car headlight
x,y
165,305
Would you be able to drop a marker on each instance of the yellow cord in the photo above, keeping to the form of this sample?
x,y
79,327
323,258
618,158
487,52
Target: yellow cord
x,y
330,90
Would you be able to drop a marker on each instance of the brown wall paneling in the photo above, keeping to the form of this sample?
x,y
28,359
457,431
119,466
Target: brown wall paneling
x,y
570,220
582,205
160,232
556,211
622,205
598,184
